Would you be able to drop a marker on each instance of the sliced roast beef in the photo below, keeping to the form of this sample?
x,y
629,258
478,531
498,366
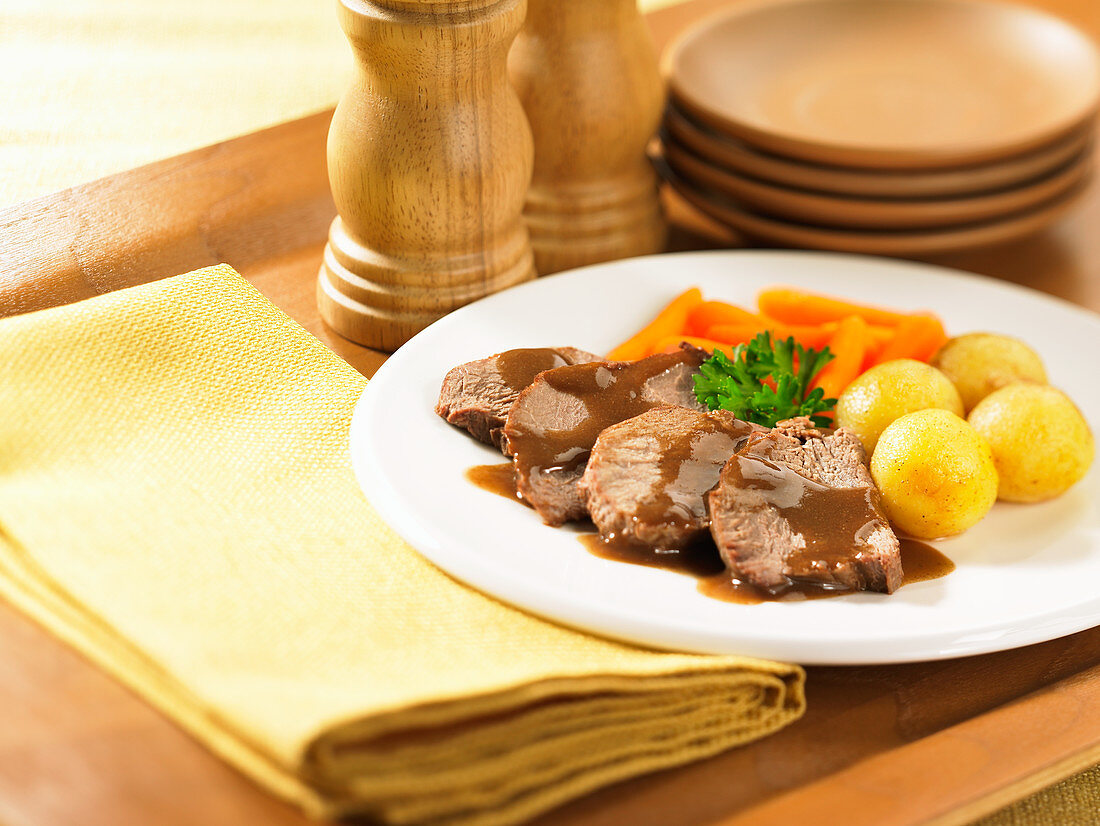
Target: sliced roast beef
x,y
477,396
648,476
802,509
552,426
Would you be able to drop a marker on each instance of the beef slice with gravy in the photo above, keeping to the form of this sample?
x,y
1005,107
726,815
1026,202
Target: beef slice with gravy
x,y
795,507
648,477
554,423
477,395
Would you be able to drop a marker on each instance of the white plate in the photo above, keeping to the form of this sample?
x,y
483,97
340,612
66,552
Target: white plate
x,y
1025,574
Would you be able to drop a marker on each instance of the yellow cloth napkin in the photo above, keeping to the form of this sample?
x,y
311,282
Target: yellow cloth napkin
x,y
176,501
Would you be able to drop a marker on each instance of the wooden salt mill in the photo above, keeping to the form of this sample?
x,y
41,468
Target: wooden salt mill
x,y
429,157
586,72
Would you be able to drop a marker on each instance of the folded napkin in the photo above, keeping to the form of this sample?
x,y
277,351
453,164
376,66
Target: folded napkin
x,y
176,501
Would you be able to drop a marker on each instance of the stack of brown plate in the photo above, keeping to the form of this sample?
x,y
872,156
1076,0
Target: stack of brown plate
x,y
898,127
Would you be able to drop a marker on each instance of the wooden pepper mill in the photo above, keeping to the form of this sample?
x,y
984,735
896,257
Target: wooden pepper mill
x,y
586,73
429,157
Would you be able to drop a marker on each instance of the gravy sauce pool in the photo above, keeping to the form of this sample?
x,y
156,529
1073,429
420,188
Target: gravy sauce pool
x,y
920,562
499,479
832,519
699,560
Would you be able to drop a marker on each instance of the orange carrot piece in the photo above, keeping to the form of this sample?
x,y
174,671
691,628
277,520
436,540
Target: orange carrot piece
x,y
880,335
670,321
793,306
710,313
670,344
816,336
848,345
878,338
734,333
917,337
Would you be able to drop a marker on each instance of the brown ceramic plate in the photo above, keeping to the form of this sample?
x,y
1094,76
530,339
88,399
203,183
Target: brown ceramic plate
x,y
866,213
838,180
913,243
899,84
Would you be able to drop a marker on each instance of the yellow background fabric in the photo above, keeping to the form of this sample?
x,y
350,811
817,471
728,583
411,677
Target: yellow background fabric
x,y
93,87
177,501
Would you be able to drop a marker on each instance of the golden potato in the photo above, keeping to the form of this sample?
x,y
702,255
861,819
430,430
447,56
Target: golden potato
x,y
979,363
887,392
1041,443
936,474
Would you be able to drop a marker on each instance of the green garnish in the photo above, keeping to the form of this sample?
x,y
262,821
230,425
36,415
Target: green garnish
x,y
740,384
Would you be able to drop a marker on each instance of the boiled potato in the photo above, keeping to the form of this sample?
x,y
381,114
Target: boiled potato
x,y
1041,443
935,472
889,391
979,363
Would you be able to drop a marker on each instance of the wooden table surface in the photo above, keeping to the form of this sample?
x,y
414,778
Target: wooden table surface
x,y
922,743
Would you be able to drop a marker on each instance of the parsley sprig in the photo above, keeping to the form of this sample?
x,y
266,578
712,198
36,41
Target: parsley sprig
x,y
765,382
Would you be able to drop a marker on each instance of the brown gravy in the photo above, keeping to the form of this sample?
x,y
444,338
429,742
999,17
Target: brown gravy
x,y
595,396
518,368
689,467
919,561
499,479
699,560
834,521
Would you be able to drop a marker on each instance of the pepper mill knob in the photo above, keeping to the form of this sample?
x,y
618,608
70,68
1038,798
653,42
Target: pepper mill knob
x,y
586,73
429,158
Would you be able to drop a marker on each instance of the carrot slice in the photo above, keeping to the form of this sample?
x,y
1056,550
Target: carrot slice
x,y
710,313
878,338
816,336
670,344
880,335
670,321
800,307
734,333
917,337
848,345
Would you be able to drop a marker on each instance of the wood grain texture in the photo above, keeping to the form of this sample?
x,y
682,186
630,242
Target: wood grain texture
x,y
587,76
678,128
260,203
1052,731
940,742
429,156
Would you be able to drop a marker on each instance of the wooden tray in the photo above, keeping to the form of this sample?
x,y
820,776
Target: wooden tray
x,y
926,743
